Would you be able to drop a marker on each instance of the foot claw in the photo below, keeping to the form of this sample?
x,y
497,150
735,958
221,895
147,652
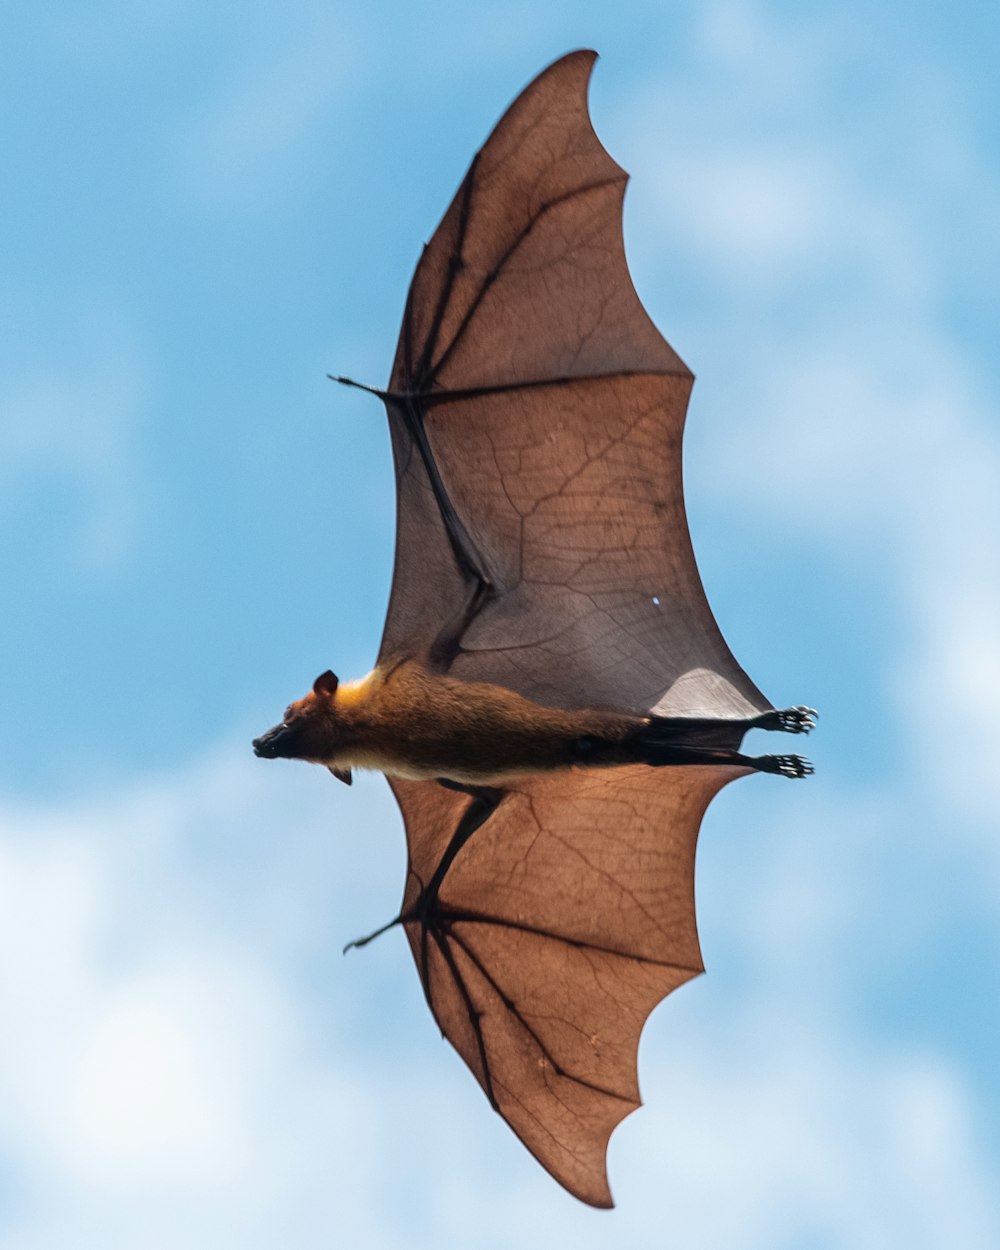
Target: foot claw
x,y
785,765
789,720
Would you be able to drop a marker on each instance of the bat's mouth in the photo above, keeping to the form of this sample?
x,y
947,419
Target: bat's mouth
x,y
277,743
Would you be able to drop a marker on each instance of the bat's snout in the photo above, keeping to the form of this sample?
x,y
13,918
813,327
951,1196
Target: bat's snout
x,y
275,744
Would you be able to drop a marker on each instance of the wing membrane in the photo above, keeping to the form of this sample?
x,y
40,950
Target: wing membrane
x,y
562,923
554,411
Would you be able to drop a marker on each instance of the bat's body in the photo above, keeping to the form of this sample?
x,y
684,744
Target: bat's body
x,y
406,721
553,704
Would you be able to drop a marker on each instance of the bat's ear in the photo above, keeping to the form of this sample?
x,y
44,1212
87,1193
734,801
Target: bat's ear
x,y
325,683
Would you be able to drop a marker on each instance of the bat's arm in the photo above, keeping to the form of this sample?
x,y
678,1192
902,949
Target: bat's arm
x,y
434,919
485,799
470,560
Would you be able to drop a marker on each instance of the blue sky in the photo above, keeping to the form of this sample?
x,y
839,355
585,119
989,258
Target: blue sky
x,y
207,209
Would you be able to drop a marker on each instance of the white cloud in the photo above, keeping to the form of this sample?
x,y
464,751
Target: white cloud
x,y
886,454
832,253
186,1061
186,1052
160,1063
795,1141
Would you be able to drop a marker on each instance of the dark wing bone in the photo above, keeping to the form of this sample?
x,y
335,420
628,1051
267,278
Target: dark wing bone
x,y
566,918
553,410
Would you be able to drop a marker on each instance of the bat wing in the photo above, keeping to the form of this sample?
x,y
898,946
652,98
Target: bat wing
x,y
536,416
532,385
563,922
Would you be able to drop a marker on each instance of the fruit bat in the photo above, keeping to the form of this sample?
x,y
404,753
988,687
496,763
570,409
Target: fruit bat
x,y
553,704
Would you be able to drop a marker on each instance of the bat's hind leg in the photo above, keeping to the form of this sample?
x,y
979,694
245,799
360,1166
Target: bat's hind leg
x,y
655,748
783,765
789,720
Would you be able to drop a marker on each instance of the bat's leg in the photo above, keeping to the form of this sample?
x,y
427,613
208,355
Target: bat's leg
x,y
789,720
719,731
661,755
783,765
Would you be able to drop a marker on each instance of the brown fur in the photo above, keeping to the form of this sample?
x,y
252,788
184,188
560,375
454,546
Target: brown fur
x,y
409,722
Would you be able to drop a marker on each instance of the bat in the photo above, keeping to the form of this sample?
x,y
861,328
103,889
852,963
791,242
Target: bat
x,y
553,703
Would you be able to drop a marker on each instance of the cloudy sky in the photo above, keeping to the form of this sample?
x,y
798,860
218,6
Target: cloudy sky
x,y
207,208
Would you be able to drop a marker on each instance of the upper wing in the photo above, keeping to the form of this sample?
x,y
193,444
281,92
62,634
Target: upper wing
x,y
563,922
553,410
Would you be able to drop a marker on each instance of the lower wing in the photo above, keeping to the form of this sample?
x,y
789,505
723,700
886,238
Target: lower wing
x,y
553,934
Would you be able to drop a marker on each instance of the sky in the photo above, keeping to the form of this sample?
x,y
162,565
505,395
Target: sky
x,y
208,208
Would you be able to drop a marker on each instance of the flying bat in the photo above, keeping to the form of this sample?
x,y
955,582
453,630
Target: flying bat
x,y
553,703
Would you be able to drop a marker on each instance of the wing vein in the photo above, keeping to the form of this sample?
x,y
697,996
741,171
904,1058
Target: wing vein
x,y
515,1011
432,399
455,915
454,266
475,1015
497,269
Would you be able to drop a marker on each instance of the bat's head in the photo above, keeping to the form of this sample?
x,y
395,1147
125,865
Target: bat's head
x,y
310,728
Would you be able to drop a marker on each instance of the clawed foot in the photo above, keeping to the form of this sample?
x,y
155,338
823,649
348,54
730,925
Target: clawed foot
x,y
784,765
789,720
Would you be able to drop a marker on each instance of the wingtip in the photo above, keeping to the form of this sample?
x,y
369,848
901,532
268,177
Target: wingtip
x,y
585,57
597,1196
577,54
601,1196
